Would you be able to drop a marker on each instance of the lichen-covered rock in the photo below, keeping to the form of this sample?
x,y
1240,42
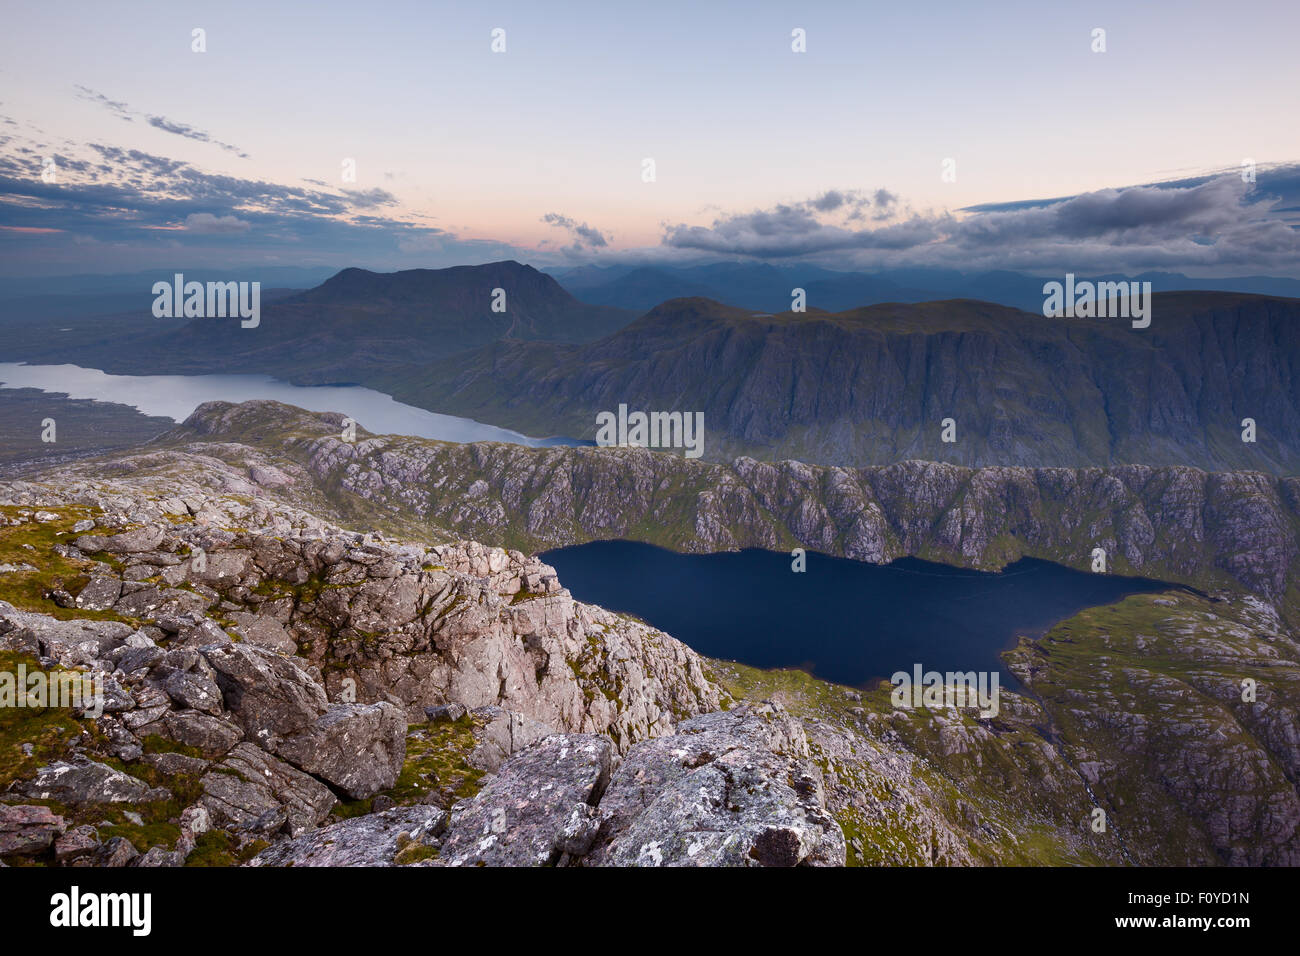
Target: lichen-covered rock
x,y
101,593
502,733
370,840
25,830
357,748
252,790
268,693
538,810
727,789
82,782
211,736
75,844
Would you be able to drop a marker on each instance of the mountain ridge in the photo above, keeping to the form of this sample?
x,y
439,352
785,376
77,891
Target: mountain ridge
x,y
1208,530
228,676
875,384
353,326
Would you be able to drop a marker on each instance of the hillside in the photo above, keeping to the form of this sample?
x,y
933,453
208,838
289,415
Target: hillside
x,y
305,695
348,329
873,385
1237,530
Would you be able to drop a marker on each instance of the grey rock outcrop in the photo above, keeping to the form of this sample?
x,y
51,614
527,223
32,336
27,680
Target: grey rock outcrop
x,y
371,840
25,831
82,782
357,748
252,790
538,810
727,789
731,788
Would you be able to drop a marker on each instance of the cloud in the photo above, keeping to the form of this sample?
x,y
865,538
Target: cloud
x,y
801,229
189,132
115,208
823,224
584,236
370,198
1210,222
113,106
205,222
157,122
138,205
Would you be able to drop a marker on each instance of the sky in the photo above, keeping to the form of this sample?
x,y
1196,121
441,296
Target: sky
x,y
903,134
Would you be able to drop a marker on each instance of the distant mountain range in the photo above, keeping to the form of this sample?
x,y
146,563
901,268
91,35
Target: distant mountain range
x,y
138,283
768,288
351,327
872,386
865,386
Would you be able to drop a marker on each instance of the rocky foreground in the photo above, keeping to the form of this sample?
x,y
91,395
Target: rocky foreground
x,y
281,691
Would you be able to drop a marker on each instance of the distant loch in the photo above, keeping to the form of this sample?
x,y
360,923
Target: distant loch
x,y
176,396
841,620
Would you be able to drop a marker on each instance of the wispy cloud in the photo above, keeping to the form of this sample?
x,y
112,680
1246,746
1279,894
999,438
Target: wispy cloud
x,y
205,222
130,208
584,236
113,106
120,109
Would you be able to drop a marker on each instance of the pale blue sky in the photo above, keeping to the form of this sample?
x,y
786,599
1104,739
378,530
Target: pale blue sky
x,y
472,149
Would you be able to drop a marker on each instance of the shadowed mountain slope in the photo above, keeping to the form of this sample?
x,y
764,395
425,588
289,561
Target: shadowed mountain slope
x,y
873,385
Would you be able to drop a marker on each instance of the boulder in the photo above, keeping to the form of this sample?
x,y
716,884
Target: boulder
x,y
211,736
76,843
268,694
371,840
83,782
734,788
357,748
264,632
502,734
195,690
253,790
537,811
100,594
26,831
140,539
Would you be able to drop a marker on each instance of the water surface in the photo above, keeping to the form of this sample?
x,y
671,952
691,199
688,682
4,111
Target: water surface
x,y
176,396
841,620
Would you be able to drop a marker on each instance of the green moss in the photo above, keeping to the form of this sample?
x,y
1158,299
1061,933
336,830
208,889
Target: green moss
x,y
347,809
48,730
219,848
33,543
156,744
415,852
437,761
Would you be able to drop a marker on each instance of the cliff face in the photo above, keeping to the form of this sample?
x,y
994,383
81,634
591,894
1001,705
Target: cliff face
x,y
871,386
1236,529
